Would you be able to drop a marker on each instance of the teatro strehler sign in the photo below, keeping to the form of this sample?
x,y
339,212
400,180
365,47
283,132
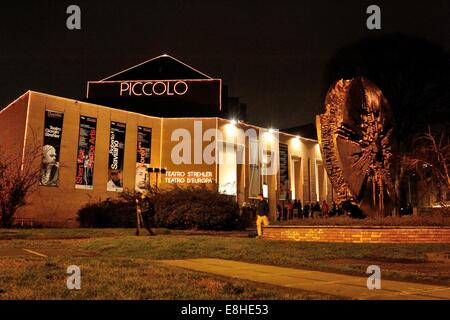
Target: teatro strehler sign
x,y
153,88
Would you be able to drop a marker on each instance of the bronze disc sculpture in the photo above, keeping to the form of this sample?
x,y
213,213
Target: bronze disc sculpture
x,y
356,137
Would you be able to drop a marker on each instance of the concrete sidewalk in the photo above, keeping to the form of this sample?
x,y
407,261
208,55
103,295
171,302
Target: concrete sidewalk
x,y
316,281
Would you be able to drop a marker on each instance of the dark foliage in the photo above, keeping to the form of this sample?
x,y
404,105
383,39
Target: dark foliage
x,y
353,210
108,214
192,208
195,208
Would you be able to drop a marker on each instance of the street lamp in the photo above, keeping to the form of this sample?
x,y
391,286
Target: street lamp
x,y
157,171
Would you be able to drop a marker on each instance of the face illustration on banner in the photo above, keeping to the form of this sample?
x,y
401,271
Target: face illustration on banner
x,y
48,155
284,189
115,181
284,186
143,151
141,178
49,169
50,151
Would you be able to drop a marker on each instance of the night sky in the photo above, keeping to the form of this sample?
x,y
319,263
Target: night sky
x,y
271,54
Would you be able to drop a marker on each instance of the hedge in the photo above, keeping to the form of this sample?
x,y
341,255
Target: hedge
x,y
190,208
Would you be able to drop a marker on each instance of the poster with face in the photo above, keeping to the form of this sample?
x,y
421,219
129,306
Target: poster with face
x,y
116,156
284,173
53,124
143,154
86,153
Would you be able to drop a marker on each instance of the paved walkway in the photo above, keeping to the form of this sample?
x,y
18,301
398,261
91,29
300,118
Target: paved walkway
x,y
322,282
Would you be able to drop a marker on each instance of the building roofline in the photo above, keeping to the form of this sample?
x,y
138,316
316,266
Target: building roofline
x,y
160,56
90,103
144,115
282,132
13,102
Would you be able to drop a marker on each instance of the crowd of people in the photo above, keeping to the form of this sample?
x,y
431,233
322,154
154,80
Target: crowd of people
x,y
288,210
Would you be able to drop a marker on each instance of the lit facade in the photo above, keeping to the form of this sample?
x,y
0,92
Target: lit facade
x,y
100,151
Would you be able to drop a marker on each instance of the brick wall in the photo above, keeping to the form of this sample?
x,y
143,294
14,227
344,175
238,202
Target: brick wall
x,y
359,234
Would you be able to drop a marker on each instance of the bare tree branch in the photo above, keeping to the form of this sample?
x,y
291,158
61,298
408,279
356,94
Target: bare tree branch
x,y
430,159
19,176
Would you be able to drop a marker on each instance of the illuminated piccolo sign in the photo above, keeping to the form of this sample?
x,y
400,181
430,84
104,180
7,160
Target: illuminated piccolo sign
x,y
201,91
153,88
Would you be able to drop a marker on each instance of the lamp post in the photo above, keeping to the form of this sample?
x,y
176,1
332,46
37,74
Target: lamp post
x,y
150,171
157,171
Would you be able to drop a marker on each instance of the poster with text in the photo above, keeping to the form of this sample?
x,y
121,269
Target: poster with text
x,y
143,154
116,157
86,153
53,124
284,172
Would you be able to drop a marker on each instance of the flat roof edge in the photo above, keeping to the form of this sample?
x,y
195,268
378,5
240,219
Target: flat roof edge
x,y
144,115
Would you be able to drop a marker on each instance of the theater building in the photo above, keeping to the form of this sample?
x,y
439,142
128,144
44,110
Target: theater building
x,y
161,115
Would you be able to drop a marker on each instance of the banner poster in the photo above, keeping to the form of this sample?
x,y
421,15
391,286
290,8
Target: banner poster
x,y
53,124
284,173
86,153
143,154
116,156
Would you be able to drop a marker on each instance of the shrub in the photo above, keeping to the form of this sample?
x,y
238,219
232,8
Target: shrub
x,y
108,214
191,208
195,208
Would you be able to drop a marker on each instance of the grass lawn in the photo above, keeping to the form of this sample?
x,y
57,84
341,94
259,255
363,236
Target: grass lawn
x,y
117,265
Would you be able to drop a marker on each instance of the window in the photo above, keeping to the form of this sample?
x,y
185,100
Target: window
x,y
228,171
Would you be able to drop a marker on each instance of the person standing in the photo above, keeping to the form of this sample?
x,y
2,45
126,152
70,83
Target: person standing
x,y
285,210
296,209
300,209
279,211
290,208
306,211
316,210
409,208
145,212
262,214
325,208
334,210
